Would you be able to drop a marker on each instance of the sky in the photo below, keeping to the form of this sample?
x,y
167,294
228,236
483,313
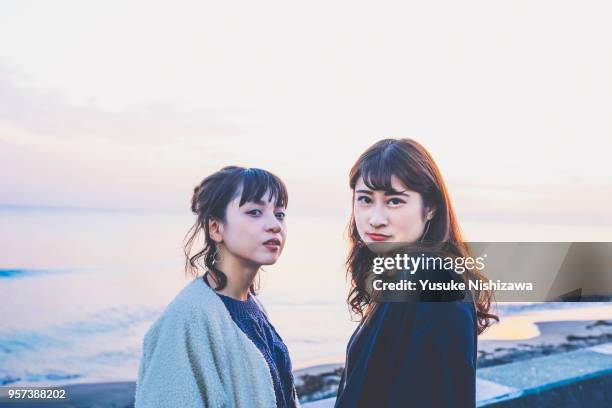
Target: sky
x,y
129,104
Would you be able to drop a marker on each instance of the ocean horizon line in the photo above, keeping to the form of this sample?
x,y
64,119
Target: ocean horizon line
x,y
67,208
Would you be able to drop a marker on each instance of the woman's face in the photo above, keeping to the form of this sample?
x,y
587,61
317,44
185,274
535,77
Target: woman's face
x,y
395,216
254,232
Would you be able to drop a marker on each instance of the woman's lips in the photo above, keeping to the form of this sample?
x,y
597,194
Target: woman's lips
x,y
273,245
378,237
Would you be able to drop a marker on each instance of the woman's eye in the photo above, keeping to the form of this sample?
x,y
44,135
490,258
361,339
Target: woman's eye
x,y
280,215
395,201
255,213
364,199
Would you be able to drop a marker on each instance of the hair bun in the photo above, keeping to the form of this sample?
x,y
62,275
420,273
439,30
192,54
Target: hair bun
x,y
194,198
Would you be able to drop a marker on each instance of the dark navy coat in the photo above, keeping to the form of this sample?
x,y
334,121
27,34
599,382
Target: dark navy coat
x,y
412,354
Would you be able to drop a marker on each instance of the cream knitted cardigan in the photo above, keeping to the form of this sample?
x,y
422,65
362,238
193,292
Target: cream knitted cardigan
x,y
194,355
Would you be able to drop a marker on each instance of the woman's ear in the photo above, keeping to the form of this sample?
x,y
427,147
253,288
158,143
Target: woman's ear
x,y
215,230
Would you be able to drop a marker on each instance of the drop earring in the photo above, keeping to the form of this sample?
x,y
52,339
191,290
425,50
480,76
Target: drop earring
x,y
426,230
214,261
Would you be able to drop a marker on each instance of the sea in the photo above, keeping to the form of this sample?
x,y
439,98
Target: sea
x,y
80,287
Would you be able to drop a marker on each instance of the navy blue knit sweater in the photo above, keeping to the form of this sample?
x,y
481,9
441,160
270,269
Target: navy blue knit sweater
x,y
254,323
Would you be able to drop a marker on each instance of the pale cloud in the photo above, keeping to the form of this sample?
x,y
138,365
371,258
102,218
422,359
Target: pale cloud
x,y
51,113
140,100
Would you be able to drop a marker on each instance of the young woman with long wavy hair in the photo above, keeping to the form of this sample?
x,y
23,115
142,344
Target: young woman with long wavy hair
x,y
408,353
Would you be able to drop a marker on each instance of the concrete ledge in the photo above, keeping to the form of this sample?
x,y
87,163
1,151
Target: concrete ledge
x,y
541,374
577,378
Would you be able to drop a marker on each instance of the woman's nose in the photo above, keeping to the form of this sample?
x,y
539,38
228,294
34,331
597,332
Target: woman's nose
x,y
377,219
274,228
273,225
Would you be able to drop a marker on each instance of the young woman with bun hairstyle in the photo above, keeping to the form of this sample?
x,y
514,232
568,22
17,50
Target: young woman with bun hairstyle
x,y
213,346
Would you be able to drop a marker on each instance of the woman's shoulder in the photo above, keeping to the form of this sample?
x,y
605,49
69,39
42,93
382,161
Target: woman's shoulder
x,y
194,304
435,303
454,319
195,297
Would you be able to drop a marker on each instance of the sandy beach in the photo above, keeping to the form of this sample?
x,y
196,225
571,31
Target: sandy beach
x,y
540,333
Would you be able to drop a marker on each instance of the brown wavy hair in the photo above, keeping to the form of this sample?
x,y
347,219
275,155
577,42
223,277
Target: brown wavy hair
x,y
413,165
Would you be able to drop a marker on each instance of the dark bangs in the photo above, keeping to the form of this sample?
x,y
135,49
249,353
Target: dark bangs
x,y
257,182
380,164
